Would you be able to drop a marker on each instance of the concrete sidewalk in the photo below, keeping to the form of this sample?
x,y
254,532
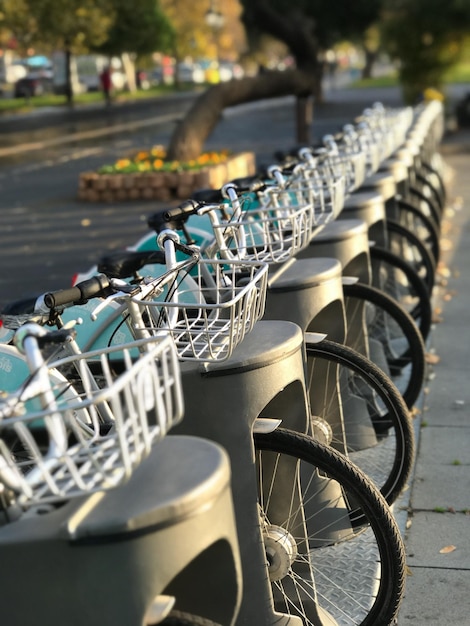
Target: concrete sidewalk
x,y
438,529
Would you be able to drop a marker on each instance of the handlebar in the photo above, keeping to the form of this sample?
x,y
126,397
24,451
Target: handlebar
x,y
81,292
173,218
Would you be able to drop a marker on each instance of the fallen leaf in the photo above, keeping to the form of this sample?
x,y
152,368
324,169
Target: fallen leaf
x,y
432,359
85,222
446,245
408,571
443,270
447,549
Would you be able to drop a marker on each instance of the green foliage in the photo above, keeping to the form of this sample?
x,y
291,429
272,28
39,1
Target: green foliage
x,y
331,21
76,24
427,37
139,26
108,26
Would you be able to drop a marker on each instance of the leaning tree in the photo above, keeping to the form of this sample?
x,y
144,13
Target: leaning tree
x,y
308,29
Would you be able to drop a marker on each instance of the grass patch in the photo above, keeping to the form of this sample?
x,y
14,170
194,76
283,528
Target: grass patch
x,y
22,105
459,74
380,81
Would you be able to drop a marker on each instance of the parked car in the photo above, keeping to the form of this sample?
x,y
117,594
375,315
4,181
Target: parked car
x,y
190,73
34,84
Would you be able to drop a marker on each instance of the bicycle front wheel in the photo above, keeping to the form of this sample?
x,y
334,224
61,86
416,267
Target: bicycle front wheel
x,y
392,339
333,549
179,618
397,278
367,416
407,245
415,220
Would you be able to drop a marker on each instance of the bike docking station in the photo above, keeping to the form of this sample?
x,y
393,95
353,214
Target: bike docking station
x,y
262,382
230,517
368,207
93,551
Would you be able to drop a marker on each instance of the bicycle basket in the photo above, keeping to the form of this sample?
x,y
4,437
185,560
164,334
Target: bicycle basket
x,y
208,313
324,186
352,164
98,431
271,228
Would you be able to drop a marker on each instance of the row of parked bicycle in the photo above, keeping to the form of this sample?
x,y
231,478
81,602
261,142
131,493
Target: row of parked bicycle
x,y
277,328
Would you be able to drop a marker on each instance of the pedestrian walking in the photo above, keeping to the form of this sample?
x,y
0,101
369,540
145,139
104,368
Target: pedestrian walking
x,y
106,83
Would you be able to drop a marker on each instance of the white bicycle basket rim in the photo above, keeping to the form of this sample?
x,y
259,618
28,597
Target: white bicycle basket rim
x,y
209,324
139,399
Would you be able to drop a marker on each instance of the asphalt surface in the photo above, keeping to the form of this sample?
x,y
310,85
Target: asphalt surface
x,y
47,235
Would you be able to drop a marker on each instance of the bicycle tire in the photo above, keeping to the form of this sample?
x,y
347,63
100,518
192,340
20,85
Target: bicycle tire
x,y
426,202
398,279
394,329
407,245
368,418
434,174
421,225
424,179
362,545
180,618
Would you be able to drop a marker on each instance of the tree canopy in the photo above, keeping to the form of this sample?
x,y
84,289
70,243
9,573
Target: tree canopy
x,y
427,38
323,22
139,27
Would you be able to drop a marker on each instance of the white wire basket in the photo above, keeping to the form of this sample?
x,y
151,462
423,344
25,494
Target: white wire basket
x,y
100,427
270,228
323,185
351,164
208,312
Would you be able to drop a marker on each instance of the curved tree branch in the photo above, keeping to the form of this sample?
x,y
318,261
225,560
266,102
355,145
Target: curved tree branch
x,y
189,137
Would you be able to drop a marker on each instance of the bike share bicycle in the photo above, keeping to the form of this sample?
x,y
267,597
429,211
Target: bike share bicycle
x,y
387,549
95,490
378,609
289,549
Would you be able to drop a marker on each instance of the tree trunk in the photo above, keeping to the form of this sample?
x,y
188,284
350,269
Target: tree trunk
x,y
370,59
190,135
129,70
68,75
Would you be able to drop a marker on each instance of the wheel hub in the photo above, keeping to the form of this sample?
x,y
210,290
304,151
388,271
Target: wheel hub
x,y
321,430
281,551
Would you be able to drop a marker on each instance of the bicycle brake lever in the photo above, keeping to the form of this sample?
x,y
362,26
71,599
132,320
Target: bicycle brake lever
x,y
115,296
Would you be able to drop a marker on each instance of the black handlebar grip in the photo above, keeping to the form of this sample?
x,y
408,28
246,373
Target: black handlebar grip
x,y
188,207
249,183
172,218
87,289
209,196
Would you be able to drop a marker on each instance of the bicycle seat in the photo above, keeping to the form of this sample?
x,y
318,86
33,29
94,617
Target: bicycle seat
x,y
209,196
125,263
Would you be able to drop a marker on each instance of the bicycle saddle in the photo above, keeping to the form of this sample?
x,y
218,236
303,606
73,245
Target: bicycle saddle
x,y
125,263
